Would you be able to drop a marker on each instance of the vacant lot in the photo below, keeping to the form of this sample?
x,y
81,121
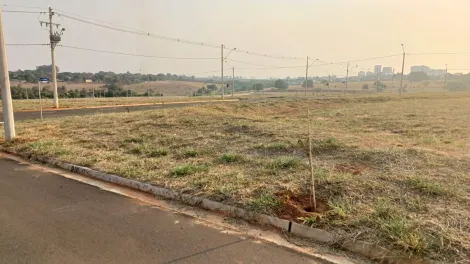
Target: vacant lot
x,y
388,170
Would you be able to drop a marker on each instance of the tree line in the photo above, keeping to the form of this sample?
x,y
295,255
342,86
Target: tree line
x,y
32,76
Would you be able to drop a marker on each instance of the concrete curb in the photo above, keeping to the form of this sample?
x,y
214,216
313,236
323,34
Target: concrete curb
x,y
366,249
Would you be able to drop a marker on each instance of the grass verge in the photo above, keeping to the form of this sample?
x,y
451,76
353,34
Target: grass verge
x,y
392,171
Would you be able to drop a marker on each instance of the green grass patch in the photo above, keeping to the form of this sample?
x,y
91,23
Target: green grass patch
x,y
286,163
264,203
231,158
325,145
190,153
187,169
428,187
155,153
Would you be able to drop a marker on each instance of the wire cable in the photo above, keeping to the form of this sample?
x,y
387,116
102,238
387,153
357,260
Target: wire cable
x,y
136,55
438,53
26,44
374,58
27,7
255,64
24,12
111,26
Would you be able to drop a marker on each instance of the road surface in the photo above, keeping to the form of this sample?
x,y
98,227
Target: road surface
x,y
47,218
88,111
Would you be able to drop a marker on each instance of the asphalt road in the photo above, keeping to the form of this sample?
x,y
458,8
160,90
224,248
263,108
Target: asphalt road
x,y
47,218
88,111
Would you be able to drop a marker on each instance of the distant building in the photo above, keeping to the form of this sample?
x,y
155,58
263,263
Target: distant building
x,y
387,70
420,68
370,74
378,69
437,73
361,74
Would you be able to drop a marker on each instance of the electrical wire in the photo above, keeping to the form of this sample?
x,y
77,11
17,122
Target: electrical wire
x,y
135,55
25,12
111,26
255,64
374,58
208,71
26,44
438,53
27,7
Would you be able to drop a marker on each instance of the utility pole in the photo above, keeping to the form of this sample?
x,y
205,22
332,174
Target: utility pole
x,y
55,38
393,76
402,70
347,77
445,81
233,82
329,84
54,72
8,118
148,85
222,70
306,78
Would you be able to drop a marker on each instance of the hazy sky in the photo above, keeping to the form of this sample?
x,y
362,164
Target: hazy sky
x,y
329,30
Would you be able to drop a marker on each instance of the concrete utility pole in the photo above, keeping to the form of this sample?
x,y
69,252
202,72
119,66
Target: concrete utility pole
x,y
393,76
8,118
329,84
54,42
445,81
306,78
222,70
148,85
233,82
402,70
347,77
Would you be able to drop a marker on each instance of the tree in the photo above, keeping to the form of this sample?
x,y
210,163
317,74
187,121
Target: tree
x,y
325,83
417,76
457,86
281,85
365,86
380,86
258,86
212,87
309,84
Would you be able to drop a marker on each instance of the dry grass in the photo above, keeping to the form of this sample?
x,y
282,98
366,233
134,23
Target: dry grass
x,y
33,104
393,171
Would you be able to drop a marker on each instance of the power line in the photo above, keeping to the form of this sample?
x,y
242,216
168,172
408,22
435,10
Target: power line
x,y
25,12
207,72
27,7
136,55
26,44
438,53
255,64
374,58
111,26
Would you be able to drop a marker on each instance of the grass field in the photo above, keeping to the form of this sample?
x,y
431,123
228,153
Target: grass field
x,y
388,170
33,104
392,87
